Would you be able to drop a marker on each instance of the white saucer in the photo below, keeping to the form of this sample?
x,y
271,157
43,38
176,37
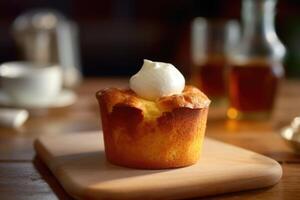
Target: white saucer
x,y
64,98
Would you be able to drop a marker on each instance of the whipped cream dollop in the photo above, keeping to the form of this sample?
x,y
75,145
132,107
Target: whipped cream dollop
x,y
157,79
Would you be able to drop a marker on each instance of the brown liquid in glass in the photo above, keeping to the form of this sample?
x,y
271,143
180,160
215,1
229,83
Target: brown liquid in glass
x,y
252,87
209,77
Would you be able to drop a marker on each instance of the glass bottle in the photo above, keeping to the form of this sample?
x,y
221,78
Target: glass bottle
x,y
256,66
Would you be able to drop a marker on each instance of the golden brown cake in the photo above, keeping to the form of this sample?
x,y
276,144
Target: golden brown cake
x,y
165,133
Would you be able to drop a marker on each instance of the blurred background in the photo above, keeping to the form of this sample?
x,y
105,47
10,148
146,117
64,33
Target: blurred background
x,y
115,35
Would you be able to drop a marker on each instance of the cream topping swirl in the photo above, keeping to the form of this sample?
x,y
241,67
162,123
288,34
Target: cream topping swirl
x,y
157,79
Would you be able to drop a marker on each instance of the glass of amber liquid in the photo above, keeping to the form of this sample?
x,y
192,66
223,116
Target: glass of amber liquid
x,y
212,43
255,68
252,88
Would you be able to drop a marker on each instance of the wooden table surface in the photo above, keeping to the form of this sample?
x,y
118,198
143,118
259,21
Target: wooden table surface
x,y
24,176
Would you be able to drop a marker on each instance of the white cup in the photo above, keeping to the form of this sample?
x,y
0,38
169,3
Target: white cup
x,y
30,84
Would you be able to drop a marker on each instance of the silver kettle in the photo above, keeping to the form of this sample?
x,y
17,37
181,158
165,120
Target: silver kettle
x,y
45,36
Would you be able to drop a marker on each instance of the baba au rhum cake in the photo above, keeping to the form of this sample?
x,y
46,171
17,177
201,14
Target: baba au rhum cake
x,y
159,132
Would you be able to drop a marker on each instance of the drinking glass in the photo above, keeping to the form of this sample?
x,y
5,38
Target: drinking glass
x,y
213,42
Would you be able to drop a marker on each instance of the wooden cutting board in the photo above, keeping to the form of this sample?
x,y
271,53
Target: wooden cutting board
x,y
78,162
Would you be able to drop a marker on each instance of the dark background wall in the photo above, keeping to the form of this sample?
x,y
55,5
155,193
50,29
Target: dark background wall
x,y
115,35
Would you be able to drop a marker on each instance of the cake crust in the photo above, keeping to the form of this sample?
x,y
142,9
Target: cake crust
x,y
191,97
166,133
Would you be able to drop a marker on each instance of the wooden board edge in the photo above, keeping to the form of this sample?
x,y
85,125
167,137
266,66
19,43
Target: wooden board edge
x,y
272,178
40,149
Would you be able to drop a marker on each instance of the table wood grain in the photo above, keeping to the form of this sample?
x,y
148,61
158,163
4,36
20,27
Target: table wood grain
x,y
24,176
